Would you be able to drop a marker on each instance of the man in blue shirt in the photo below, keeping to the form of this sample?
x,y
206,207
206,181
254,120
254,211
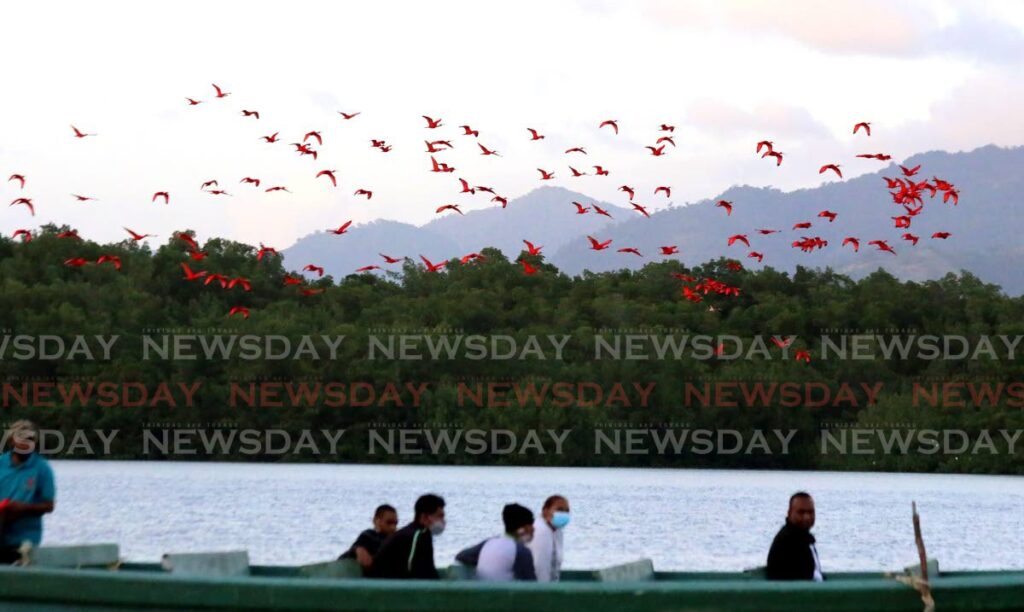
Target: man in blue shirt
x,y
27,491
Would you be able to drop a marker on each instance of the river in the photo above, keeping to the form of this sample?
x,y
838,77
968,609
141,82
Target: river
x,y
682,519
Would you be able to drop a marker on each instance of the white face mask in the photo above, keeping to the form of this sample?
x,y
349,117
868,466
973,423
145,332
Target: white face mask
x,y
437,527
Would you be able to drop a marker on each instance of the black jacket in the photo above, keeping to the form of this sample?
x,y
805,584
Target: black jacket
x,y
408,553
790,557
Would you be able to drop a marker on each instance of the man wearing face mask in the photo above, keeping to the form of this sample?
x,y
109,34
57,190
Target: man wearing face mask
x,y
409,552
505,558
547,538
27,491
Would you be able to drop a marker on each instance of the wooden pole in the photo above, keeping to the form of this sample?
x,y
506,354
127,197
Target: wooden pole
x,y
923,586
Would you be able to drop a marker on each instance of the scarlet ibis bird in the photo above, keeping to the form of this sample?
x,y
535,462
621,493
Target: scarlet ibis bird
x,y
75,262
803,356
828,214
669,139
308,291
249,113
71,235
367,268
612,123
951,194
527,268
878,156
601,211
667,128
910,171
882,245
137,236
389,259
781,343
485,151
364,192
329,174
444,207
739,238
629,190
276,188
802,225
776,154
272,138
600,171
82,198
465,187
533,250
239,310
576,150
208,184
468,131
348,116
596,245
941,235
851,240
576,173
501,200
767,144
657,151
667,190
251,181
863,124
26,236
432,267
192,102
318,270
432,123
220,92
162,194
342,229
691,295
27,202
190,275
669,250
765,232
910,238
640,209
18,177
632,250
545,175
264,251
534,134
755,255
291,280
79,133
581,209
727,205
111,259
314,134
832,167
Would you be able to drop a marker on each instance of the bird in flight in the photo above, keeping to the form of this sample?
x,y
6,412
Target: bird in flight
x,y
613,123
535,135
444,207
18,177
832,167
342,229
319,271
249,113
27,202
432,123
348,116
666,189
597,245
863,124
221,93
727,205
137,236
162,194
329,174
79,133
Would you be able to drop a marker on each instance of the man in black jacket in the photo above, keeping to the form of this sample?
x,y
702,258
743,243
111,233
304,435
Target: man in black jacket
x,y
793,555
409,552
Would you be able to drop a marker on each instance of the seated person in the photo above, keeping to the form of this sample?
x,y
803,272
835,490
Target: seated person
x,y
409,552
505,558
27,491
385,522
793,555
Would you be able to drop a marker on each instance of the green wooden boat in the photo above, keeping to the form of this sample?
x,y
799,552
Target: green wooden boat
x,y
93,578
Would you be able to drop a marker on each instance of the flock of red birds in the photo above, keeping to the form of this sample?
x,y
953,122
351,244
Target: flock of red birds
x,y
906,191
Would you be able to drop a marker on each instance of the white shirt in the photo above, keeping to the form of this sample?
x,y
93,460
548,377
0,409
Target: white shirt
x,y
818,576
547,551
497,557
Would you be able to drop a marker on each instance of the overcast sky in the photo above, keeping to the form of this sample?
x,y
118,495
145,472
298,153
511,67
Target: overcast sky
x,y
927,75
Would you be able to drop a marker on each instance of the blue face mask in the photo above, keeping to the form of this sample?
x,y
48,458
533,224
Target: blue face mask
x,y
559,519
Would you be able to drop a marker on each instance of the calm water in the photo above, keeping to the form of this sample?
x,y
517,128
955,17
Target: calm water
x,y
682,519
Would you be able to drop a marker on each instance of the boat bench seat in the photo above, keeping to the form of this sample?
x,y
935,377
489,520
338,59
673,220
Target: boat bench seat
x,y
635,571
76,556
342,568
232,563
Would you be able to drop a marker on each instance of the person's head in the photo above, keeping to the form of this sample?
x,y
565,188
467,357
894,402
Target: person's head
x,y
430,512
385,519
518,522
556,511
801,510
22,436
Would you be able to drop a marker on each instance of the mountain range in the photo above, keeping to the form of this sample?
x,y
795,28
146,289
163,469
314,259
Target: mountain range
x,y
985,227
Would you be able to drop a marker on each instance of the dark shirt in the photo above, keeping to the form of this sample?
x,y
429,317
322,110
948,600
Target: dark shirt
x,y
408,553
370,539
790,557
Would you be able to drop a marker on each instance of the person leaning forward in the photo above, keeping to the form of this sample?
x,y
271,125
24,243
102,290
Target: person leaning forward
x,y
409,552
